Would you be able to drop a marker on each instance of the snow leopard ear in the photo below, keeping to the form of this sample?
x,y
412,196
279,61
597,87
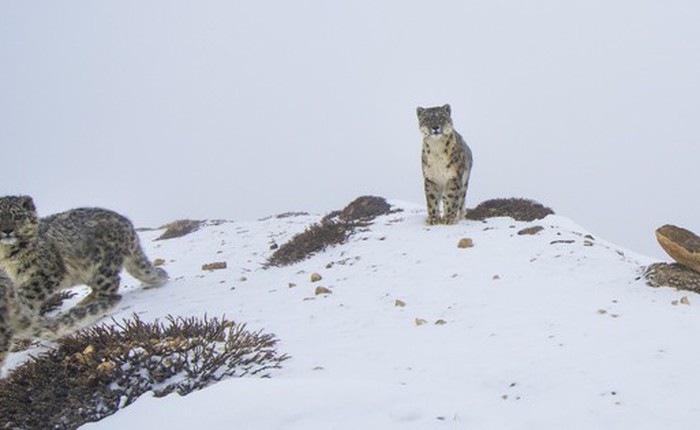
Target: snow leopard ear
x,y
419,111
447,109
27,203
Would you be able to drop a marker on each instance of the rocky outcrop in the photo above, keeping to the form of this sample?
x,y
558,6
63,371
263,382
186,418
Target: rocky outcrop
x,y
672,275
681,244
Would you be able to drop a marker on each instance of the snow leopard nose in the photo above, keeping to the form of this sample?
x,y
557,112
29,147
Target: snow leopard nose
x,y
436,129
7,232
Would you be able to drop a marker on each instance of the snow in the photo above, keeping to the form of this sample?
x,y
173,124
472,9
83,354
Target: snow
x,y
549,331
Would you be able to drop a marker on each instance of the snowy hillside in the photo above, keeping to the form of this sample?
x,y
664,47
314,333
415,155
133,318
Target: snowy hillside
x,y
543,331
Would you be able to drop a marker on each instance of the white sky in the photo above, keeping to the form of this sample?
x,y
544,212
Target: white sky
x,y
221,109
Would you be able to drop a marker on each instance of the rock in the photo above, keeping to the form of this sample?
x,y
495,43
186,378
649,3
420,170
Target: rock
x,y
681,244
322,290
420,321
465,243
531,230
440,322
158,262
315,277
400,303
214,266
106,367
685,300
672,275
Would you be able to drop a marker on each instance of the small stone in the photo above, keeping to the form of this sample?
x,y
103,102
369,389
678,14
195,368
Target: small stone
x,y
292,285
496,277
602,311
242,279
440,322
587,243
158,262
106,367
554,242
315,277
685,300
674,302
420,321
465,243
681,244
322,290
531,230
214,266
400,303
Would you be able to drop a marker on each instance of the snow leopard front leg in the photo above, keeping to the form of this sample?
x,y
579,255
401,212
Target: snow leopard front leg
x,y
433,195
454,200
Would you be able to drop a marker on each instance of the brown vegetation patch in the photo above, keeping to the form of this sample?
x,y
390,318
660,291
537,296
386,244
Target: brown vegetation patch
x,y
314,239
365,208
180,228
516,208
333,229
97,371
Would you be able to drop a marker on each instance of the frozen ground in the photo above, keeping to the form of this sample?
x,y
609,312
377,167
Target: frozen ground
x,y
548,331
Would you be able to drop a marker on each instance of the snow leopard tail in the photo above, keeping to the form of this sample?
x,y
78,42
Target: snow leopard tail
x,y
141,268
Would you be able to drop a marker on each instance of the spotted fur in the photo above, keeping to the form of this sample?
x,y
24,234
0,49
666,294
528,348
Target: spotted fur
x,y
41,256
447,163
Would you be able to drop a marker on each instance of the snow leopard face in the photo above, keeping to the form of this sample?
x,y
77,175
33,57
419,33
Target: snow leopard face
x,y
18,220
435,121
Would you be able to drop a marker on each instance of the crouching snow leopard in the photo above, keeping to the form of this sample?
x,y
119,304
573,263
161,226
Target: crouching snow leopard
x,y
447,163
41,256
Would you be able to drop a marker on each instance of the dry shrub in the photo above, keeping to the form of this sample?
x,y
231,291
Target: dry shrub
x,y
99,370
516,208
672,275
180,228
334,229
314,239
364,208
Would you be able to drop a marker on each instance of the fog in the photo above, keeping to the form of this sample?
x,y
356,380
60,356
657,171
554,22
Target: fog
x,y
237,110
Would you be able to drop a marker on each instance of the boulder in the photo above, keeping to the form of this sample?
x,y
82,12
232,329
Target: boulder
x,y
681,244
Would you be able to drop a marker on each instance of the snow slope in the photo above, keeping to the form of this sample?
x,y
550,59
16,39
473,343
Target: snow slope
x,y
547,331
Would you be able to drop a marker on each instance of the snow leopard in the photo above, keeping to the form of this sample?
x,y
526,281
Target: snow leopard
x,y
15,318
447,163
41,256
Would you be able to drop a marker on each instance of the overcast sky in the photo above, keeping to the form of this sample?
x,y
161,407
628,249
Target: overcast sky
x,y
237,110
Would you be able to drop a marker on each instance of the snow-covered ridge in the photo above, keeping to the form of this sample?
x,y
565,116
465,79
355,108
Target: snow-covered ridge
x,y
552,330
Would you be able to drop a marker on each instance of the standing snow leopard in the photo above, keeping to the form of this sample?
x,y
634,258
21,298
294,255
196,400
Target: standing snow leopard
x,y
41,256
447,163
